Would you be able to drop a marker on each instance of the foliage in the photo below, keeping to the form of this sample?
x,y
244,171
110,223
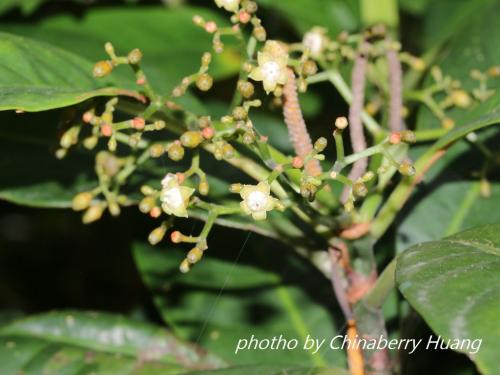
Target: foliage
x,y
194,113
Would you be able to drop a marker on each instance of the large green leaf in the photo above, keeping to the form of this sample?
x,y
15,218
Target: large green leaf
x,y
267,292
35,76
171,44
72,342
454,284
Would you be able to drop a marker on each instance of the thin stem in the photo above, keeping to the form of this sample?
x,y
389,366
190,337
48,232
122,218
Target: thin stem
x,y
383,287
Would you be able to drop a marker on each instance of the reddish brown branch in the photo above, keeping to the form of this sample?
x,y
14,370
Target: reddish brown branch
x,y
396,123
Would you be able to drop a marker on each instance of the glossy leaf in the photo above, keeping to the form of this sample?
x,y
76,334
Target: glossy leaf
x,y
72,342
35,76
454,283
171,44
219,302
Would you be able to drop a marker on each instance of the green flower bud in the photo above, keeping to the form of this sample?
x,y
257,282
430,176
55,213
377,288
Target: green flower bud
x,y
359,189
203,187
147,204
408,136
235,188
157,234
147,190
175,152
90,142
194,255
239,113
204,82
309,68
259,33
246,89
81,201
134,57
156,150
204,122
114,208
191,139
70,137
406,169
320,144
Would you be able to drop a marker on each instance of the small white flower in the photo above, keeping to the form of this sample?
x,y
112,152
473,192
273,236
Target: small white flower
x,y
229,5
272,66
257,200
174,198
315,41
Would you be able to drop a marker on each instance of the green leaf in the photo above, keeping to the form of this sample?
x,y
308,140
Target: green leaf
x,y
171,44
35,76
72,342
473,47
335,15
454,284
272,370
267,292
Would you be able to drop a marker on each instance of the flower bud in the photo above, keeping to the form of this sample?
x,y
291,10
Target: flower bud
x,y
204,121
114,208
341,123
320,144
138,123
185,266
228,151
235,188
395,138
239,113
134,57
203,187
102,68
191,139
408,136
81,201
206,59
147,204
157,234
246,89
208,132
93,213
259,33
90,142
309,68
106,130
359,189
406,169
204,82
251,6
297,162
194,255
155,212
447,123
147,190
176,236
156,150
175,151
460,98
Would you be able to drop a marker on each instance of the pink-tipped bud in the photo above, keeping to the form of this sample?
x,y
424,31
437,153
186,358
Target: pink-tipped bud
x,y
208,132
297,162
395,138
211,27
138,123
106,130
176,236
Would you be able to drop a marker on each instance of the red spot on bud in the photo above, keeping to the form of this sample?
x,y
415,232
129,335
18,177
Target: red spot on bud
x,y
264,138
244,17
155,212
141,81
176,236
211,27
87,117
297,162
106,130
208,132
138,123
395,138
180,177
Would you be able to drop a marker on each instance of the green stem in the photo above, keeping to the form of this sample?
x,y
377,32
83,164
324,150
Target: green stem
x,y
383,287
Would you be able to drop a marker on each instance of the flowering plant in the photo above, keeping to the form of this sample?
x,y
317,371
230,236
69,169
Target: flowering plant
x,y
326,138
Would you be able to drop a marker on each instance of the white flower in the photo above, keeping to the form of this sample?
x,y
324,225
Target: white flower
x,y
271,68
229,5
257,200
174,198
315,41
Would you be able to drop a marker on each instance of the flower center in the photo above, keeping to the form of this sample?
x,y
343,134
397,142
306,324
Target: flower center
x,y
173,198
271,70
256,200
